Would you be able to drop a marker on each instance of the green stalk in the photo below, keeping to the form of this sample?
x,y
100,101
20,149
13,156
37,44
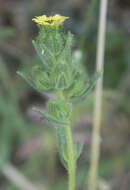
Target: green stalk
x,y
71,160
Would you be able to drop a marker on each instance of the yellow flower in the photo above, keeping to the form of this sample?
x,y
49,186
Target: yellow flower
x,y
50,21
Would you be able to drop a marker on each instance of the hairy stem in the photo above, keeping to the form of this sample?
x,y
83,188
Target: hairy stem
x,y
71,160
70,151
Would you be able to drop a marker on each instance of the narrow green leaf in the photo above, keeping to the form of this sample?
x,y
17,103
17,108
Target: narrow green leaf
x,y
40,53
50,118
61,141
43,52
49,53
66,53
27,78
89,86
78,147
63,161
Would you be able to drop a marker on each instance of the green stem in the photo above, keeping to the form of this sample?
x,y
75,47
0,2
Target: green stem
x,y
71,160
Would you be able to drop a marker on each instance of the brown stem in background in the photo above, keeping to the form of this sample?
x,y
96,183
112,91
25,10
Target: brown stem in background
x,y
95,147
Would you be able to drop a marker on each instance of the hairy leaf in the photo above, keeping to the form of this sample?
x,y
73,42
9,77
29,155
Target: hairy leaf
x,y
88,86
78,147
50,118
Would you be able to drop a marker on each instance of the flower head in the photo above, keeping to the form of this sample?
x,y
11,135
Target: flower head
x,y
50,21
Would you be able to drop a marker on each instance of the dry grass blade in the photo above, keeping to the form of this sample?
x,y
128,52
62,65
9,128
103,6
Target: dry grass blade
x,y
12,174
95,149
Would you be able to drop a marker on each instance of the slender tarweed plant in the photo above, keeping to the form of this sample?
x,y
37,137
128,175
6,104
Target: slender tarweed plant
x,y
58,73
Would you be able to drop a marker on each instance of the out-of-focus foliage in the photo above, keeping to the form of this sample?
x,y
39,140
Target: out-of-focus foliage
x,y
6,31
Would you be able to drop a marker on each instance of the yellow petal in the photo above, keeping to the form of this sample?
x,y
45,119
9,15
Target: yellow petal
x,y
50,21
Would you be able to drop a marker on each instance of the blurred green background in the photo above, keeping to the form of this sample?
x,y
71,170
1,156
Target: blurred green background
x,y
27,142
